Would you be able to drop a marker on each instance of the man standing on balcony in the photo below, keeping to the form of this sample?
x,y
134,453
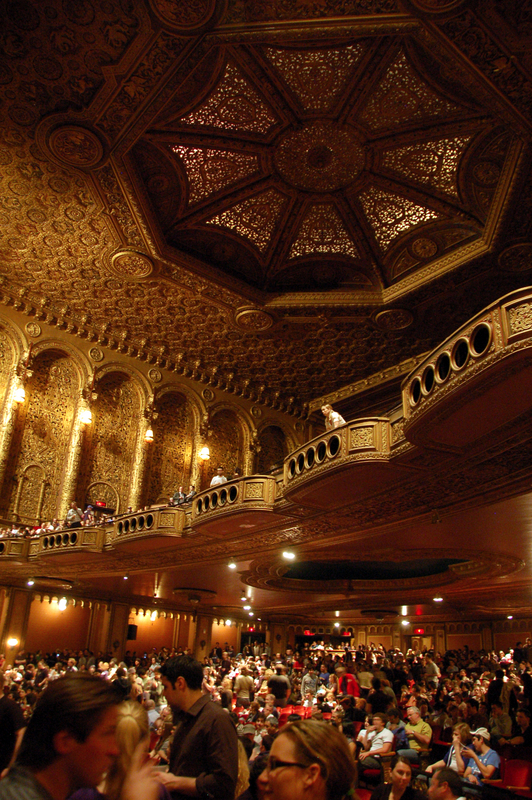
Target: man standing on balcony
x,y
219,478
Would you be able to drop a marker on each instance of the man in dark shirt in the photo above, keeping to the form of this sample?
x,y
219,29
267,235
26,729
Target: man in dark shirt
x,y
279,686
11,727
523,735
204,755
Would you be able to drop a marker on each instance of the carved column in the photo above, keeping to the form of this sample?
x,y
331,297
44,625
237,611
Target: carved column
x,y
7,427
139,466
75,451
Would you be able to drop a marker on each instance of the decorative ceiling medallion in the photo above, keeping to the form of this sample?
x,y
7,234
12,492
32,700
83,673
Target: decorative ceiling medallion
x,y
155,375
253,319
208,395
96,354
132,265
424,247
187,16
516,258
322,156
75,146
256,411
394,319
33,329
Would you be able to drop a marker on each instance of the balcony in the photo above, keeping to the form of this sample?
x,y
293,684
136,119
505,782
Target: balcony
x,y
476,382
343,465
242,505
161,526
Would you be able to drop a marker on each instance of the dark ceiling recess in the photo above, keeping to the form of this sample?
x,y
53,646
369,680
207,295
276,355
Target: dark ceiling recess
x,y
368,570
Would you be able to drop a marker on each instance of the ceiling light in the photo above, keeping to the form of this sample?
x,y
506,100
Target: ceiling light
x,y
126,577
405,622
336,613
30,582
246,608
243,598
289,555
251,614
438,599
232,564
510,616
336,624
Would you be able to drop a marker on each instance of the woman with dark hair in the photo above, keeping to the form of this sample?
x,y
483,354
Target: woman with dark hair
x,y
399,787
309,760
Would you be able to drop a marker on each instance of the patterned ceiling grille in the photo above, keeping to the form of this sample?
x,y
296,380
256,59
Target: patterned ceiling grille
x,y
322,231
391,215
210,171
254,219
402,98
433,163
317,77
233,105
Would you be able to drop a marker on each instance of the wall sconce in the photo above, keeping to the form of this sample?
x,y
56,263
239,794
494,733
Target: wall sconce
x,y
20,395
204,453
86,416
148,436
62,604
153,616
12,642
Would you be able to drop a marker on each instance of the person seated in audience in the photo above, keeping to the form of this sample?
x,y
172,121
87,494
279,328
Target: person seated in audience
x,y
191,493
523,730
454,757
419,735
376,741
484,762
445,785
179,497
399,787
500,723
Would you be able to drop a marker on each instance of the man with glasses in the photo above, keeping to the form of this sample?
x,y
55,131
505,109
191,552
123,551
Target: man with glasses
x,y
419,734
484,762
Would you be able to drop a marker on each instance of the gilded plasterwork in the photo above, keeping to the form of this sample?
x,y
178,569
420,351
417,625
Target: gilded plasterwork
x,y
317,77
434,163
273,449
7,356
170,463
210,170
392,215
234,105
45,437
116,418
226,446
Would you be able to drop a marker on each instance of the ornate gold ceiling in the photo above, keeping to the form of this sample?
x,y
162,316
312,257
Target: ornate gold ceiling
x,y
282,197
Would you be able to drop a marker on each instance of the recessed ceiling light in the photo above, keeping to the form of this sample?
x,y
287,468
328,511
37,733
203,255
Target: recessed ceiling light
x,y
246,608
438,599
405,622
232,564
510,616
336,624
289,555
251,614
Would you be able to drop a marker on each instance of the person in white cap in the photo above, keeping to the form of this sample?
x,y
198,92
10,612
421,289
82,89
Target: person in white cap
x,y
485,761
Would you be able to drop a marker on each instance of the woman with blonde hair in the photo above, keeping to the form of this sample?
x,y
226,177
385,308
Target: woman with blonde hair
x,y
309,760
132,728
453,758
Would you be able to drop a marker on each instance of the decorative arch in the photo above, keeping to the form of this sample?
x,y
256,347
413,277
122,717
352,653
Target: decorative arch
x,y
222,439
107,493
113,435
11,349
173,449
138,380
80,361
274,448
42,434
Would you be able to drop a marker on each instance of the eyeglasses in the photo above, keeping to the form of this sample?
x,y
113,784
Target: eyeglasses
x,y
276,763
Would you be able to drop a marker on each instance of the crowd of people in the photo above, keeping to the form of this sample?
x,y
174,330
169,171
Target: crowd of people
x,y
267,714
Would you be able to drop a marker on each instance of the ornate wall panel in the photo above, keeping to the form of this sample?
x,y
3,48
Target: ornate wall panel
x,y
170,465
7,359
43,444
273,449
110,457
226,443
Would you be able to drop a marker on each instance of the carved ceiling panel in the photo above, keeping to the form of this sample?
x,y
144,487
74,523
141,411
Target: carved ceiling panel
x,y
162,169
